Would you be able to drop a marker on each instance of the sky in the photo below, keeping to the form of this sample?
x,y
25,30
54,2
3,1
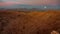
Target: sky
x,y
30,2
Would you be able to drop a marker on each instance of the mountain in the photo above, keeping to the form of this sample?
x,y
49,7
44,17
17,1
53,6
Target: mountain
x,y
30,6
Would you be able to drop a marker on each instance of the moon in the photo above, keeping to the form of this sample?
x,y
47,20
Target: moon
x,y
45,6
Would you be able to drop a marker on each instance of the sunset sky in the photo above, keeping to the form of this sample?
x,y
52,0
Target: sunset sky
x,y
30,2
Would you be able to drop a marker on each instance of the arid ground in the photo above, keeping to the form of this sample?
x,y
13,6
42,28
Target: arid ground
x,y
34,22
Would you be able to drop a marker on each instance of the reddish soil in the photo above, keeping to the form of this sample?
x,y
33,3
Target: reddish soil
x,y
29,22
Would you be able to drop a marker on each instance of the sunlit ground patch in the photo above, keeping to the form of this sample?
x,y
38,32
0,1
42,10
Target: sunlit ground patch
x,y
54,32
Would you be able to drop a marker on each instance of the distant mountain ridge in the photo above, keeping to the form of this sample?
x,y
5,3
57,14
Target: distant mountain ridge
x,y
30,6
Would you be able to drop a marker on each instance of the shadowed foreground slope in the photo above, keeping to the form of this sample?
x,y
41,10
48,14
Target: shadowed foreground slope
x,y
29,22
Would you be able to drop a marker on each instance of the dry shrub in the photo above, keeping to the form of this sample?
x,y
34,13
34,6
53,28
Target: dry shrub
x,y
29,23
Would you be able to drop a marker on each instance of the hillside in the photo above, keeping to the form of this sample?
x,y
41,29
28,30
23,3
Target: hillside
x,y
29,22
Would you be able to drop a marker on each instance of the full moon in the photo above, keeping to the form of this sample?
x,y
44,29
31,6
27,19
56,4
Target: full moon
x,y
45,7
